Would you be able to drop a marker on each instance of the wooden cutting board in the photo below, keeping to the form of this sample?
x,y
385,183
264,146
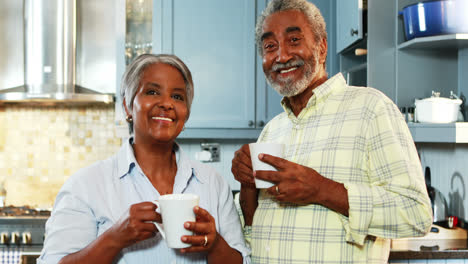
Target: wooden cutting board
x,y
442,240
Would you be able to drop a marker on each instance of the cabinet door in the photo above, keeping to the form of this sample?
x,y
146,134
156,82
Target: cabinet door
x,y
349,23
216,40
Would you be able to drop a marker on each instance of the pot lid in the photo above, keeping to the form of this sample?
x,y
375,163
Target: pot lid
x,y
435,98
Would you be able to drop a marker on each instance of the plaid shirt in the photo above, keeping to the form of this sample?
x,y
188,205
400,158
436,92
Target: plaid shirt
x,y
355,136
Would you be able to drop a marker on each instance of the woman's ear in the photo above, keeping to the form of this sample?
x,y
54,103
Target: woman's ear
x,y
127,112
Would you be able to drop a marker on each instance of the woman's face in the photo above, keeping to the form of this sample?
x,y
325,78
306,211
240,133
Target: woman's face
x,y
159,108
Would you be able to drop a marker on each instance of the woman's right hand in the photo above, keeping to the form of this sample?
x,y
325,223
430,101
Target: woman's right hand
x,y
242,167
136,224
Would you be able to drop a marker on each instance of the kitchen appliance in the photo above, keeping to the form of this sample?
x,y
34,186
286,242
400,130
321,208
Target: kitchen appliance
x,y
438,202
436,109
22,231
429,18
50,57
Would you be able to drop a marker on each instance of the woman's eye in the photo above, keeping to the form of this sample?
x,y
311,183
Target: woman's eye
x,y
178,97
152,92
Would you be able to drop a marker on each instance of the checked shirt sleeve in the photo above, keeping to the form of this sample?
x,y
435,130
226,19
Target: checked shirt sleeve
x,y
395,204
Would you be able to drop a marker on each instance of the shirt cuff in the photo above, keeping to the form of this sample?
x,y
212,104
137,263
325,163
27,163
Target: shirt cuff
x,y
356,225
247,230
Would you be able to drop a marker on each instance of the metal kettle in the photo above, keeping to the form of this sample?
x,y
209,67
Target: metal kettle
x,y
438,202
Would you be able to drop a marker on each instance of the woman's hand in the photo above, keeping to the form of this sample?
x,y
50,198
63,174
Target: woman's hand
x,y
136,224
204,227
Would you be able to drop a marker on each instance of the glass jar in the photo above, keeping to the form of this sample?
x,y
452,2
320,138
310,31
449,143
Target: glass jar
x,y
138,38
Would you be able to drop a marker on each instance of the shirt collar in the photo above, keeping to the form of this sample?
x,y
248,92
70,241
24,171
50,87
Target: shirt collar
x,y
126,162
321,93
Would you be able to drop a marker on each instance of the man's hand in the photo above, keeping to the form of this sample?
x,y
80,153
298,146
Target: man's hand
x,y
242,171
242,167
299,184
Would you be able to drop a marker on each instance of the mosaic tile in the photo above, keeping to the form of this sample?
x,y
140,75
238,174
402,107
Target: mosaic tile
x,y
52,142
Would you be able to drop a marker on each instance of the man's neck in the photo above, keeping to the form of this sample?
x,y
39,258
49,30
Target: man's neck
x,y
299,102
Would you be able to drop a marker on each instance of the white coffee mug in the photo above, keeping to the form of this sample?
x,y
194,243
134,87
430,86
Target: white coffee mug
x,y
175,210
274,149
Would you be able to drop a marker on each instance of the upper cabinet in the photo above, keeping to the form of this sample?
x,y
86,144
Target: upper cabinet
x,y
351,40
408,70
216,39
350,26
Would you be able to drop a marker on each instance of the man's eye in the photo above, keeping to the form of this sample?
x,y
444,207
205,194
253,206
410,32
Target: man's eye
x,y
295,39
268,46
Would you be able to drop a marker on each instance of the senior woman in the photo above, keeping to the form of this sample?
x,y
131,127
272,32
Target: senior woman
x,y
104,213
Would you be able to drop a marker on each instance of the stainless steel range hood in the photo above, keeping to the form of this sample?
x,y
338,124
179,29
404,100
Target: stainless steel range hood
x,y
50,57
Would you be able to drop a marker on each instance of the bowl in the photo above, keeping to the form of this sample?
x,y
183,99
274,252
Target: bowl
x,y
437,110
435,18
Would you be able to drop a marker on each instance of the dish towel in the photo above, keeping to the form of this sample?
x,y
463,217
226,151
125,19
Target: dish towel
x,y
10,255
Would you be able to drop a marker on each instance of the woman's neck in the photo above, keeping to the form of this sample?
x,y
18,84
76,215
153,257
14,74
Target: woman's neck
x,y
158,163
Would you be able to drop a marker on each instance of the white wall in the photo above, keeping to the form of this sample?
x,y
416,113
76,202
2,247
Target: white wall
x,y
228,147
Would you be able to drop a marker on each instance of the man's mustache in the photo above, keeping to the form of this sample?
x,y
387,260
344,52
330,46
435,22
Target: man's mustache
x,y
292,63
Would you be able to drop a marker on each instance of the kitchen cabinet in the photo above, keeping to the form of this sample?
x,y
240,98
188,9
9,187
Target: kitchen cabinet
x,y
216,39
435,63
406,70
374,68
217,42
351,36
350,26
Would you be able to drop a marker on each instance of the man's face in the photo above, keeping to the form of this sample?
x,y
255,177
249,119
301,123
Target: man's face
x,y
292,58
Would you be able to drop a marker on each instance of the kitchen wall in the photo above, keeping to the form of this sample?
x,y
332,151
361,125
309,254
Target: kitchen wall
x,y
449,173
40,147
228,147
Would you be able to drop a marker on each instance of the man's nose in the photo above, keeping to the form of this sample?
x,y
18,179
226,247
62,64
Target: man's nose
x,y
283,54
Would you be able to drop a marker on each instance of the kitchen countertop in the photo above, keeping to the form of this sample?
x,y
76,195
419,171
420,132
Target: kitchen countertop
x,y
439,243
461,253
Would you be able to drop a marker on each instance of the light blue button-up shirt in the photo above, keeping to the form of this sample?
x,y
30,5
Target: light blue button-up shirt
x,y
96,197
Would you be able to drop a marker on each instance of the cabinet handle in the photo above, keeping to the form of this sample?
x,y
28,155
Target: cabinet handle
x,y
251,123
261,123
354,32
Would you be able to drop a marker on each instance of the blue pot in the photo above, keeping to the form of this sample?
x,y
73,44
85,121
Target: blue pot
x,y
435,18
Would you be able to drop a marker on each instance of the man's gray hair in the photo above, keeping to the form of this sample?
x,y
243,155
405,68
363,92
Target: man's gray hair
x,y
315,18
133,73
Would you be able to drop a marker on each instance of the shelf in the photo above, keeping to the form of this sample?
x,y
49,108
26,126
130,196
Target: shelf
x,y
452,41
439,133
359,67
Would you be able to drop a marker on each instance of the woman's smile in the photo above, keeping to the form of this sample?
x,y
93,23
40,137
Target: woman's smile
x,y
160,105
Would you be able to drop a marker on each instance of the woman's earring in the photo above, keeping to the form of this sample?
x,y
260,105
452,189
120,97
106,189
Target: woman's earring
x,y
129,119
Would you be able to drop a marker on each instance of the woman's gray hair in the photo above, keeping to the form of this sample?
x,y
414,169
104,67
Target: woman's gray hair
x,y
134,72
316,20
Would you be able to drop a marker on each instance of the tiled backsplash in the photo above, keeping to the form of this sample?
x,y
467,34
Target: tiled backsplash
x,y
40,147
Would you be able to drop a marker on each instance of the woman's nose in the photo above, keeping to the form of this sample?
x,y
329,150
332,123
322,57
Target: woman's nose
x,y
165,103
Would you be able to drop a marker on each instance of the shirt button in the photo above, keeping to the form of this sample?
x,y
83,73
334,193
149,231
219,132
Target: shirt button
x,y
267,248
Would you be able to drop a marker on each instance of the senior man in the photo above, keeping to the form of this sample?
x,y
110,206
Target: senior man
x,y
350,179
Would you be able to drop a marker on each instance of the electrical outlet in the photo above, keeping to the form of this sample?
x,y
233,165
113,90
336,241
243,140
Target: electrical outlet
x,y
214,149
